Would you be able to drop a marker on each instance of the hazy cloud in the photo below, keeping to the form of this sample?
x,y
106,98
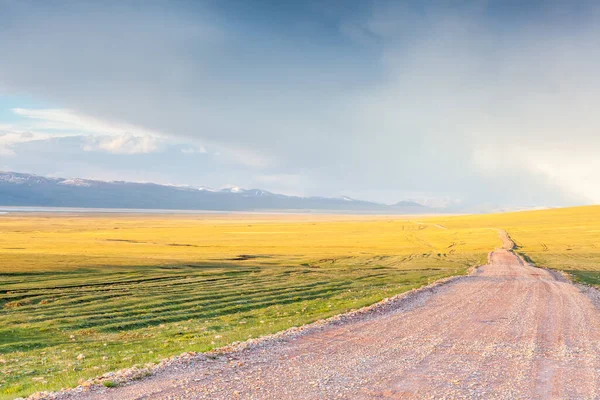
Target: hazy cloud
x,y
64,121
11,136
194,150
454,101
122,144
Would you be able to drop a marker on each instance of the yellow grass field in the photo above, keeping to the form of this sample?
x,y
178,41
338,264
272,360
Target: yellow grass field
x,y
567,239
56,242
126,290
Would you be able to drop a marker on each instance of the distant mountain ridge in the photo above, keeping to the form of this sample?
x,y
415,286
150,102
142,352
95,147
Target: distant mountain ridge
x,y
20,189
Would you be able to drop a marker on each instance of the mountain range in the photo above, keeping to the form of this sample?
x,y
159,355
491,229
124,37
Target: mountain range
x,y
20,189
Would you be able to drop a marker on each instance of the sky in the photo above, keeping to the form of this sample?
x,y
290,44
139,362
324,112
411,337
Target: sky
x,y
482,104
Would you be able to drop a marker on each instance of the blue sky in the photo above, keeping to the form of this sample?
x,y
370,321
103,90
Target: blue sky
x,y
482,103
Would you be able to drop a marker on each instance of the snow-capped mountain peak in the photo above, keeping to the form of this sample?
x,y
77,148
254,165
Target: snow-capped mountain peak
x,y
75,182
233,189
22,178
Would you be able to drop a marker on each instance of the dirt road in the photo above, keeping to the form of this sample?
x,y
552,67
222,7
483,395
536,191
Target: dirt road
x,y
509,331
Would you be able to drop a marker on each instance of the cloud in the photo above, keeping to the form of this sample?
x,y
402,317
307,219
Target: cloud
x,y
418,99
123,144
65,121
6,149
194,150
569,166
11,137
116,138
492,92
100,135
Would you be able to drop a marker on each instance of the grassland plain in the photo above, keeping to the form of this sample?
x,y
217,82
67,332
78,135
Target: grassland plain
x,y
81,295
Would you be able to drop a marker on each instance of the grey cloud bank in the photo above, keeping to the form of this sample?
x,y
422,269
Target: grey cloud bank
x,y
383,101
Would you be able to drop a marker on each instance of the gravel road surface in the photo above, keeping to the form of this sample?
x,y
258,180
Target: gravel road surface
x,y
508,331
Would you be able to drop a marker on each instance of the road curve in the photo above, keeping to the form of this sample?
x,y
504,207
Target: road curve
x,y
509,331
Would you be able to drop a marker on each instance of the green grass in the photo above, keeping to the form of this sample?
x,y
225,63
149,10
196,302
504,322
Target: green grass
x,y
145,314
65,290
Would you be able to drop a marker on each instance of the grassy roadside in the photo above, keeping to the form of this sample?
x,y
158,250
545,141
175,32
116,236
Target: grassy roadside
x,y
81,296
565,239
